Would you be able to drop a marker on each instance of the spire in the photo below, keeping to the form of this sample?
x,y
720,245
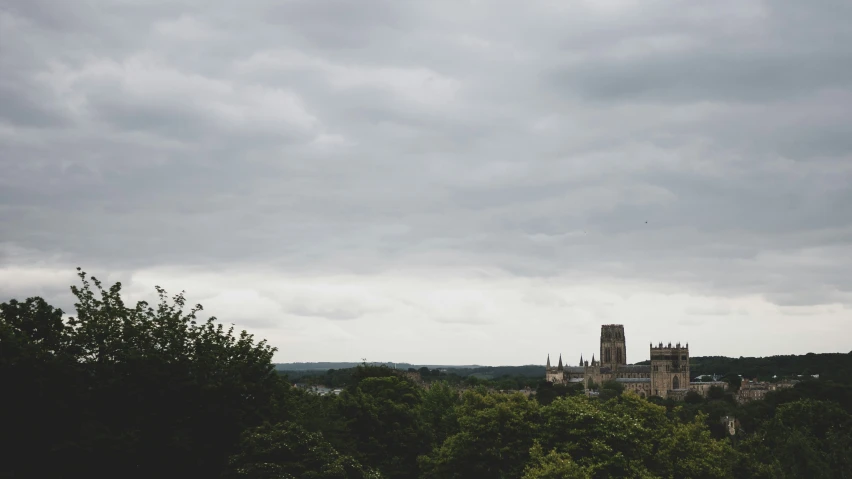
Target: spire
x,y
581,359
548,361
560,363
593,359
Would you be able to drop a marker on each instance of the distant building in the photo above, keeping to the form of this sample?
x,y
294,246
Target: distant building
x,y
319,390
754,390
666,376
703,387
731,424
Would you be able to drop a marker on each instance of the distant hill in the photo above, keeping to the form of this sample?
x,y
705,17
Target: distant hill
x,y
325,366
835,366
482,372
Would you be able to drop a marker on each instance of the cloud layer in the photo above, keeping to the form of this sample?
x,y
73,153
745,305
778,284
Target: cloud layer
x,y
441,181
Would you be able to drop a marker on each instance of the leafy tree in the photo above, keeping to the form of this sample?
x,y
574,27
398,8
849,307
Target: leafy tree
x,y
383,424
734,381
439,411
286,450
600,437
41,388
554,465
716,392
693,397
496,432
629,437
806,437
688,450
147,391
548,391
611,389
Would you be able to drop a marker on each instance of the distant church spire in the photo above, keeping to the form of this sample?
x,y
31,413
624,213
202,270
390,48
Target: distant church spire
x,y
581,359
548,361
560,362
593,359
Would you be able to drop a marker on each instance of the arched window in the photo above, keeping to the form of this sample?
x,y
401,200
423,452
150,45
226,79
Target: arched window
x,y
675,383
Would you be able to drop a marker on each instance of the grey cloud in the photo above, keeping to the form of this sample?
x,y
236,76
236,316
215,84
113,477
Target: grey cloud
x,y
23,107
533,140
715,77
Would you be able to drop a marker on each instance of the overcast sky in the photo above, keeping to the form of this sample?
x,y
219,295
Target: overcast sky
x,y
441,182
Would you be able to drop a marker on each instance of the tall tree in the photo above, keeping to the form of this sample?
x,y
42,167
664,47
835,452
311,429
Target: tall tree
x,y
496,432
143,390
382,413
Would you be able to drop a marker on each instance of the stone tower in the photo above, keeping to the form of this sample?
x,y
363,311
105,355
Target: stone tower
x,y
613,346
669,369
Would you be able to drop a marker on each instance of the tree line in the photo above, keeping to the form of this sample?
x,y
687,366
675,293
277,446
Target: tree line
x,y
155,391
831,366
336,378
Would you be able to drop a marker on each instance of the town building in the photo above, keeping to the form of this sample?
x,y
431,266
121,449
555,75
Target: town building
x,y
731,424
666,376
754,390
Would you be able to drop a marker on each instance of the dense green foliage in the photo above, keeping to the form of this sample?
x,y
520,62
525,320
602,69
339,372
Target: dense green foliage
x,y
336,378
287,450
136,389
140,391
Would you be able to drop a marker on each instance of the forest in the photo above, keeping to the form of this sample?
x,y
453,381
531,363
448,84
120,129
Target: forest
x,y
142,390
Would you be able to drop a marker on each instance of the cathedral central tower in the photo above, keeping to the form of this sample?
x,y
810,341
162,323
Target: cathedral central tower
x,y
613,346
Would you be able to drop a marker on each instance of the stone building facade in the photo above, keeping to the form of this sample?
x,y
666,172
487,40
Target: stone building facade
x,y
755,390
666,376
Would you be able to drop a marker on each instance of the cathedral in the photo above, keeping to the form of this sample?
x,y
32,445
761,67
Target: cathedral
x,y
666,376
